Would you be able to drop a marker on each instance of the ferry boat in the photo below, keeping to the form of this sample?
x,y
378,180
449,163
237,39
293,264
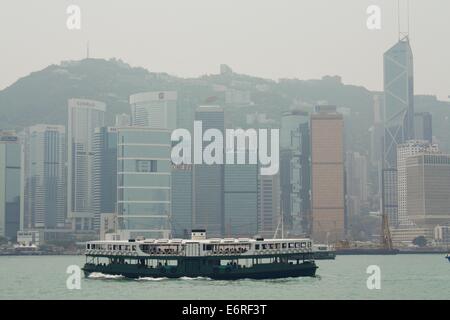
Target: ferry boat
x,y
324,252
219,259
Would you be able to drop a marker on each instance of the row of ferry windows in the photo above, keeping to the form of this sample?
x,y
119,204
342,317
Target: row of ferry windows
x,y
290,245
264,246
118,247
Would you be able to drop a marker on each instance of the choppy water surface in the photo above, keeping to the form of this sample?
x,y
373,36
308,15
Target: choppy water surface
x,y
402,277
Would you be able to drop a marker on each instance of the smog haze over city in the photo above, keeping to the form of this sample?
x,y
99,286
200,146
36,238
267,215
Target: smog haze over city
x,y
270,39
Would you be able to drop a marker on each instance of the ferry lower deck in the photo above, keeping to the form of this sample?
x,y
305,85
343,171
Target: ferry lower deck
x,y
224,268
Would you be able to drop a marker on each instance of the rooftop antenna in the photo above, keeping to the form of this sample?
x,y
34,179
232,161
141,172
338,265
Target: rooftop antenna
x,y
403,34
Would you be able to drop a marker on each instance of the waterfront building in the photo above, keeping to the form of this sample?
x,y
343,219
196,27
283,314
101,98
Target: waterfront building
x,y
405,236
104,172
442,234
398,118
327,182
181,220
241,200
295,170
143,182
11,185
428,189
268,204
45,176
405,150
208,183
83,117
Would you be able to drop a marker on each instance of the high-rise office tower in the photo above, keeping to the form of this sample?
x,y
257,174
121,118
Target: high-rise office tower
x,y
268,204
356,175
327,172
241,200
428,189
398,99
398,118
423,126
84,116
11,185
45,176
208,184
376,133
181,200
154,109
295,170
104,172
405,150
143,182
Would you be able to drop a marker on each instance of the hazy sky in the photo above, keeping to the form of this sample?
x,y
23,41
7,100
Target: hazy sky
x,y
269,38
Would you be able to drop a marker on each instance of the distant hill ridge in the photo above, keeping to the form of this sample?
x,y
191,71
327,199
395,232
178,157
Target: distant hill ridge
x,y
41,97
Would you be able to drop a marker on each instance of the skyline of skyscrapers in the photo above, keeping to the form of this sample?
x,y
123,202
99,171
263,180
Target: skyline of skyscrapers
x,y
322,182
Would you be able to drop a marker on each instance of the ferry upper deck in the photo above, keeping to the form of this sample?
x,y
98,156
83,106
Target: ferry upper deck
x,y
199,246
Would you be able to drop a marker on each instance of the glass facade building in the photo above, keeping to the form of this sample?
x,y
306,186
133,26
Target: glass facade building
x,y
208,204
11,188
398,118
45,176
295,170
268,204
398,99
143,182
241,200
181,201
84,116
105,172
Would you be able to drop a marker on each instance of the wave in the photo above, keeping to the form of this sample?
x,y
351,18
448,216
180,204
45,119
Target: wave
x,y
165,278
196,278
99,275
151,279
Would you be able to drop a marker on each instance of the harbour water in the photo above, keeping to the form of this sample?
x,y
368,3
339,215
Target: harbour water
x,y
412,276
